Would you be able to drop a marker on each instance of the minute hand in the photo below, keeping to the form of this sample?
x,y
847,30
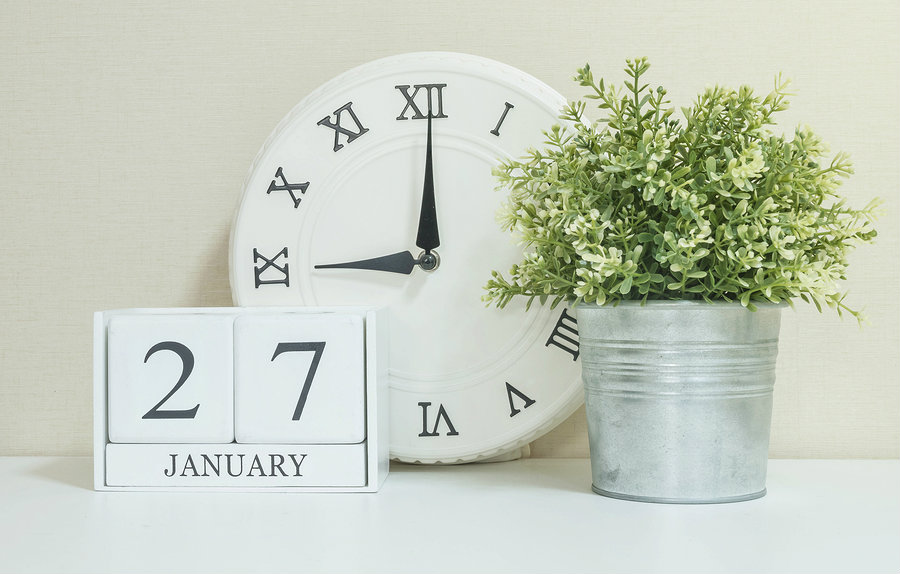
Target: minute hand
x,y
428,237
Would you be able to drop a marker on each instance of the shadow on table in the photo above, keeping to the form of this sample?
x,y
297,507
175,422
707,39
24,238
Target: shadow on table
x,y
573,475
74,471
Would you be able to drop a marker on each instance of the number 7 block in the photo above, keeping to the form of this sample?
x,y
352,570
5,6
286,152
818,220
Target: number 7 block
x,y
299,379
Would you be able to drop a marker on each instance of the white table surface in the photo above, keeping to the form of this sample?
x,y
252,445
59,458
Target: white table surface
x,y
535,515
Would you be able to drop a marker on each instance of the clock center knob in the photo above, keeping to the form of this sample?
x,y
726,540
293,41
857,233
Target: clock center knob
x,y
429,260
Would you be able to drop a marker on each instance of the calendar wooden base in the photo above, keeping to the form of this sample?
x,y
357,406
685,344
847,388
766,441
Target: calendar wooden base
x,y
236,465
347,462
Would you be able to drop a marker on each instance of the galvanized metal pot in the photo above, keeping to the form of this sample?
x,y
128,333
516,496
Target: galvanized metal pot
x,y
679,398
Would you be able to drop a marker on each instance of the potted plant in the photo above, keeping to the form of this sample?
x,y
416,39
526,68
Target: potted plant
x,y
678,241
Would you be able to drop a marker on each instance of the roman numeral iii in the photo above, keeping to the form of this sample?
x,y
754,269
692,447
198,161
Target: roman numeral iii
x,y
565,335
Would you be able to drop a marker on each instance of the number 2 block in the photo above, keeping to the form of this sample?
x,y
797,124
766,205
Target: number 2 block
x,y
170,379
299,379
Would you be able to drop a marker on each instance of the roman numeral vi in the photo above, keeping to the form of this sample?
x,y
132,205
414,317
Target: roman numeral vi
x,y
441,415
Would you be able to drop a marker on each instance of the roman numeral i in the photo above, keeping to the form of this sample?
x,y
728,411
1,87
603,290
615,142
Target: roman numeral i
x,y
496,130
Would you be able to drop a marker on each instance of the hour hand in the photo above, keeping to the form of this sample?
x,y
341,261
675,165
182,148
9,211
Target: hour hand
x,y
402,262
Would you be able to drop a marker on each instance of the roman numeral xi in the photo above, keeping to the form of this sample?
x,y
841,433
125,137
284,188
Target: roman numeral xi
x,y
339,130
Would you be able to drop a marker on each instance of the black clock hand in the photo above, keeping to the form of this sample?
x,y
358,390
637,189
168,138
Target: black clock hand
x,y
402,262
427,237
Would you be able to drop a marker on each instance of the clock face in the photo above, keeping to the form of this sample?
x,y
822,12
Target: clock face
x,y
377,190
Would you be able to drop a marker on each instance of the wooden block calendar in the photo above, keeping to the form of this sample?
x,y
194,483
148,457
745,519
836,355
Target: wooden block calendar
x,y
289,399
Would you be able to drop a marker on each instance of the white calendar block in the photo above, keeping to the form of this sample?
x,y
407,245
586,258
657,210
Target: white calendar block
x,y
299,379
327,365
170,379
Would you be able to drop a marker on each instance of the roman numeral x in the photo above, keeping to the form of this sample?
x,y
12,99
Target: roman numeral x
x,y
288,187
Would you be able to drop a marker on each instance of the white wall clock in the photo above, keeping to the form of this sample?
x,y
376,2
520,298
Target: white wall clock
x,y
376,189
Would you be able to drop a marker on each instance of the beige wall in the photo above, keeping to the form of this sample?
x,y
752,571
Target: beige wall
x,y
126,129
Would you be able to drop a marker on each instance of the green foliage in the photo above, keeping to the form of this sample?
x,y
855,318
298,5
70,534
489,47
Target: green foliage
x,y
640,205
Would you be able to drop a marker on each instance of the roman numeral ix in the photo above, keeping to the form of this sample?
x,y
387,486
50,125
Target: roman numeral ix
x,y
565,335
267,263
412,105
339,130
